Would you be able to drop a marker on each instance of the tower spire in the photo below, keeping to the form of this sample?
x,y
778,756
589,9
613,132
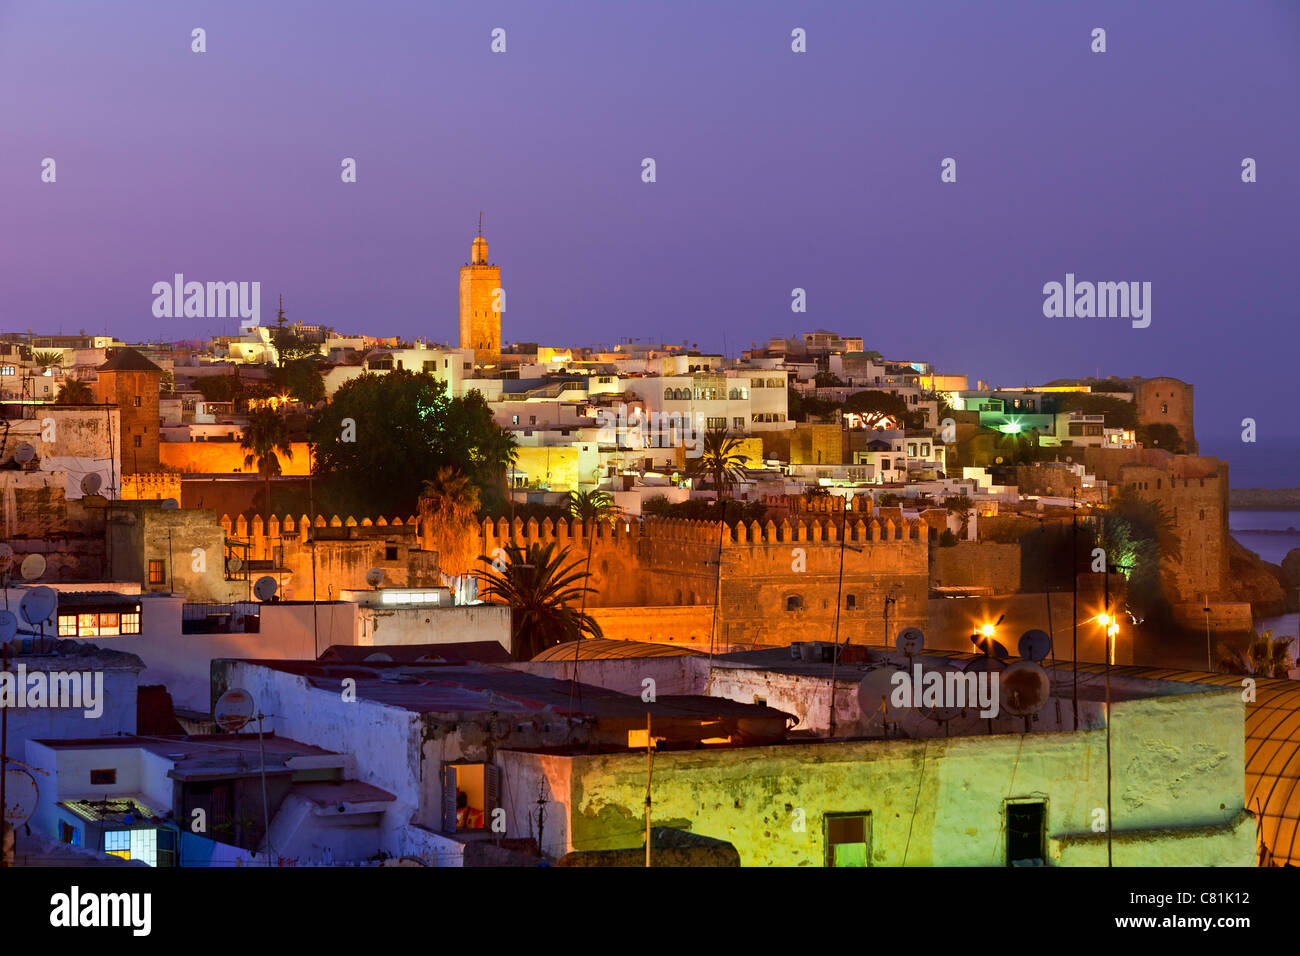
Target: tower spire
x,y
480,222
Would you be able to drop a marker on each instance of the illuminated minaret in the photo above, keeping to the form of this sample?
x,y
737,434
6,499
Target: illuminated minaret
x,y
481,302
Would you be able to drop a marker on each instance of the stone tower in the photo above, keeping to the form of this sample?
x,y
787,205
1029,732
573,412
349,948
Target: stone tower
x,y
480,318
131,382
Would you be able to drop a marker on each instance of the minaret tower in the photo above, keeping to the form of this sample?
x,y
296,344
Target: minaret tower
x,y
480,302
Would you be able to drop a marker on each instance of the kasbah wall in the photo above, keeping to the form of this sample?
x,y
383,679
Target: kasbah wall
x,y
1192,493
778,583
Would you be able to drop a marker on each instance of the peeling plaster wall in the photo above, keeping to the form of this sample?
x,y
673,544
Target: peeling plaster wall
x,y
1177,763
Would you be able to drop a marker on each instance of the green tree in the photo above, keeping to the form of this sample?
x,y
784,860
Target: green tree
x,y
541,591
720,460
300,379
448,507
74,392
1160,435
220,388
875,406
1117,412
381,436
265,438
827,380
47,358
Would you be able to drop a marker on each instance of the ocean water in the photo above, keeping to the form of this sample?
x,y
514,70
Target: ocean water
x,y
1270,534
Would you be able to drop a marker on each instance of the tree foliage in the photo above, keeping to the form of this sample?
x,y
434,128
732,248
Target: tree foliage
x,y
381,436
448,508
542,591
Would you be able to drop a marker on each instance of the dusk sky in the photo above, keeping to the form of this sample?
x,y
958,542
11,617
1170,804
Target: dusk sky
x,y
775,170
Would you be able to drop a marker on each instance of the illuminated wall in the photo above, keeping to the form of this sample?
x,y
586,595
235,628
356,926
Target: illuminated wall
x,y
225,457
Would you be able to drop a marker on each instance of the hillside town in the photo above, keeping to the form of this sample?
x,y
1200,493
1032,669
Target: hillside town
x,y
300,596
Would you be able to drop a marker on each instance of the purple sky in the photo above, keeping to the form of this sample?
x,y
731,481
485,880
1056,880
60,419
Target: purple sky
x,y
775,170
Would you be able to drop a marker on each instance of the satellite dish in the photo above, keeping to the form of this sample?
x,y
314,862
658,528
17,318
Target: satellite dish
x,y
1035,645
987,645
38,604
21,796
170,503
910,640
265,588
875,687
8,626
941,713
975,665
1025,688
90,483
234,563
33,567
375,577
24,453
379,657
234,709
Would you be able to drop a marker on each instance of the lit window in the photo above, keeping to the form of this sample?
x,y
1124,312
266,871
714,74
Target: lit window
x,y
67,625
130,623
157,573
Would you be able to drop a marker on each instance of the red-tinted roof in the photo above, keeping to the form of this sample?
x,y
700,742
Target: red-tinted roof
x,y
128,360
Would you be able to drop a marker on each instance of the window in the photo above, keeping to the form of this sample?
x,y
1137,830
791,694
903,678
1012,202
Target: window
x,y
431,365
532,419
514,419
716,423
157,572
738,422
7,370
1025,832
794,603
103,778
137,441
118,843
850,602
136,402
69,834
848,839
99,624
390,552
1164,408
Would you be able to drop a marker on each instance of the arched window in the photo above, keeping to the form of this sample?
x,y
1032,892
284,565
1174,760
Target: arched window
x,y
794,603
668,393
734,394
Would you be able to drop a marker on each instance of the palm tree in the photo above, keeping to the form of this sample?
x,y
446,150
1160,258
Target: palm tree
x,y
449,505
961,506
74,392
1263,656
265,438
719,460
591,508
541,591
47,357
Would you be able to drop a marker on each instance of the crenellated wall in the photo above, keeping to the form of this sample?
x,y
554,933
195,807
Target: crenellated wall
x,y
778,582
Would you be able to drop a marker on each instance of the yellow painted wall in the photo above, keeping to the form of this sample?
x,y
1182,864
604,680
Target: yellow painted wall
x,y
560,462
1175,760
